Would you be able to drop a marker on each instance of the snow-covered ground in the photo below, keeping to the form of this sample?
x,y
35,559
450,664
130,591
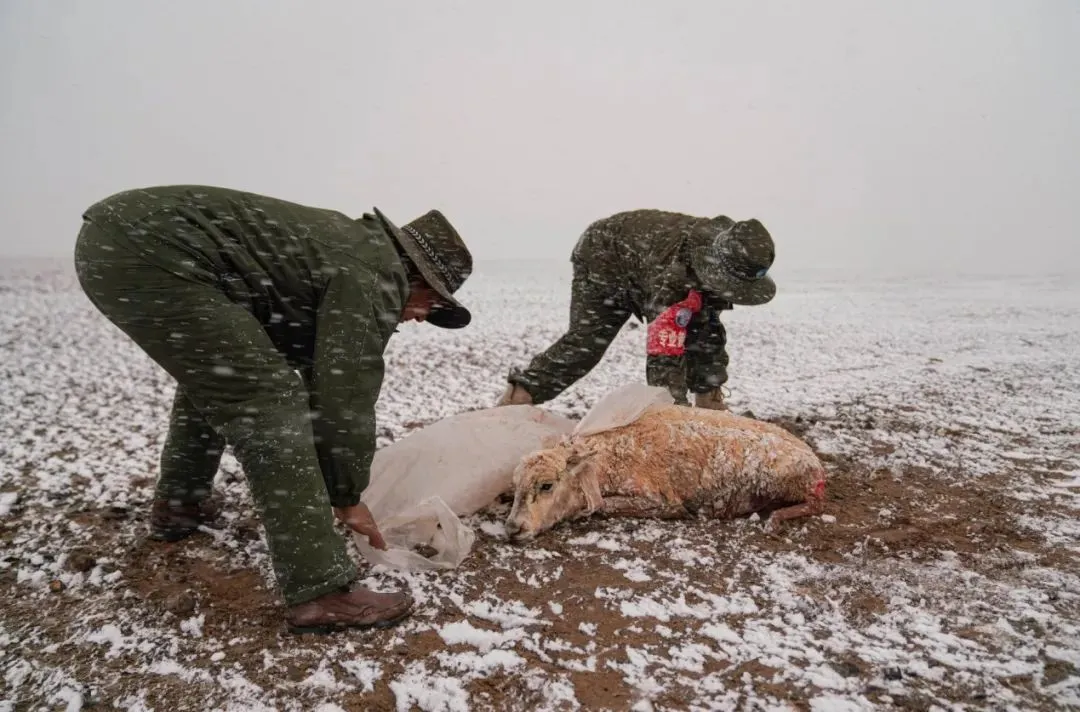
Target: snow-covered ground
x,y
943,576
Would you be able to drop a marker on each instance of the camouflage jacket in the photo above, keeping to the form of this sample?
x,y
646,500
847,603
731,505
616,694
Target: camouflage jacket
x,y
280,260
644,254
645,251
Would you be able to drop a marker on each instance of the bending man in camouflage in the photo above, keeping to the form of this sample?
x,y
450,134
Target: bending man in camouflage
x,y
678,272
273,318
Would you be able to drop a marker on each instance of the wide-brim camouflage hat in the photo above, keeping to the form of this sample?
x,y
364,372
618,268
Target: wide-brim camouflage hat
x,y
442,258
732,260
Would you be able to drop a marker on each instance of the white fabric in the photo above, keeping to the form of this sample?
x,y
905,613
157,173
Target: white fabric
x,y
622,407
422,484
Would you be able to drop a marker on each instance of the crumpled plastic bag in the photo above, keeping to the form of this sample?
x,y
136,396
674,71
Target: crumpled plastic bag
x,y
430,524
421,485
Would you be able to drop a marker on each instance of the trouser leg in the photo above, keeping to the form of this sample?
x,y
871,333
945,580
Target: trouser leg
x,y
235,377
191,455
597,312
668,372
706,352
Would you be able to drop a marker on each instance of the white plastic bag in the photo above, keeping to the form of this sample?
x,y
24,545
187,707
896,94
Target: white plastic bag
x,y
621,407
422,484
431,523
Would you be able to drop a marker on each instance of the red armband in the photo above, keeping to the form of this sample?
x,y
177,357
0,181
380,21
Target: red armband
x,y
667,332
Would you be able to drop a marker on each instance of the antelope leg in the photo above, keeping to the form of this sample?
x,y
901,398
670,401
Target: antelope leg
x,y
806,509
621,506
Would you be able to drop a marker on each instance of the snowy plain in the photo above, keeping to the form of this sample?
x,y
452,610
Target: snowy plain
x,y
943,576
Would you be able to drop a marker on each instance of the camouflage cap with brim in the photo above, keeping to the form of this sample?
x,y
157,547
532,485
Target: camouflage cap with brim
x,y
438,252
732,260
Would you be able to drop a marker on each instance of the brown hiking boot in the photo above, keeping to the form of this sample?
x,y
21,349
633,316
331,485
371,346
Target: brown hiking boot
x,y
514,395
173,521
349,608
713,400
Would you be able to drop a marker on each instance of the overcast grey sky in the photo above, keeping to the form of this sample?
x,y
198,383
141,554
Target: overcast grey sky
x,y
878,135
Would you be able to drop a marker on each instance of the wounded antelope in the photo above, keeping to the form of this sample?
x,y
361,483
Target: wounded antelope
x,y
672,462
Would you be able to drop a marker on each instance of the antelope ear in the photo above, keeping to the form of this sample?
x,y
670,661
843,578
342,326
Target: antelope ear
x,y
590,487
579,456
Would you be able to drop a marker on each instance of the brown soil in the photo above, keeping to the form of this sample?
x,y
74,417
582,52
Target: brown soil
x,y
928,515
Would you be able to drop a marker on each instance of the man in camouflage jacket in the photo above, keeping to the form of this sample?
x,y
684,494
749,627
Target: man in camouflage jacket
x,y
677,272
273,318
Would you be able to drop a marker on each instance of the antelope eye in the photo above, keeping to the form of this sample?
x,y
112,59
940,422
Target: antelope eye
x,y
546,486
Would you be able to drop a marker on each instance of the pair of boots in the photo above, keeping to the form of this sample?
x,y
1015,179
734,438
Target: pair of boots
x,y
516,395
347,607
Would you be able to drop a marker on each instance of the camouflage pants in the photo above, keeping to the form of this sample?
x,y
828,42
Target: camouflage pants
x,y
703,367
599,307
233,387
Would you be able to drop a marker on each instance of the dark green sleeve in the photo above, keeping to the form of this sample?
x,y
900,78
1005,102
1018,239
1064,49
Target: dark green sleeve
x,y
357,316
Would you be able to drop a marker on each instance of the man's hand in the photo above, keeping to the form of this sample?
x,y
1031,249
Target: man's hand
x,y
359,519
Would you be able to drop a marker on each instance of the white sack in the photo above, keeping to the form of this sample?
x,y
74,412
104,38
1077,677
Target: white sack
x,y
422,484
621,407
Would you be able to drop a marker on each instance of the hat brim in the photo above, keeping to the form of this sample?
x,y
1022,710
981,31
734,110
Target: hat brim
x,y
727,286
449,313
746,293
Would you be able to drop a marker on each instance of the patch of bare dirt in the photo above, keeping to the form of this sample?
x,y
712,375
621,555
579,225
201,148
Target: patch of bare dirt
x,y
873,515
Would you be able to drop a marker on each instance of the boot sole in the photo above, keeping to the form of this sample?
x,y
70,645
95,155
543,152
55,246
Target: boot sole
x,y
339,627
170,536
173,535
